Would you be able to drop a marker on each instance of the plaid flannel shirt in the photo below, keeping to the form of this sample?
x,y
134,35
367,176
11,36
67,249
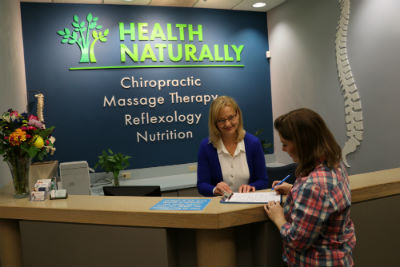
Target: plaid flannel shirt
x,y
319,231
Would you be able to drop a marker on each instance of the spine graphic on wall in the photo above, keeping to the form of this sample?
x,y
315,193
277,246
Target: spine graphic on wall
x,y
352,101
39,112
40,105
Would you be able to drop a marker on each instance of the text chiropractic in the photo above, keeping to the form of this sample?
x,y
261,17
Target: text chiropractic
x,y
131,82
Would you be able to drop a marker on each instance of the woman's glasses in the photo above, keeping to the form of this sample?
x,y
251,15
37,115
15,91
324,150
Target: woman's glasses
x,y
230,119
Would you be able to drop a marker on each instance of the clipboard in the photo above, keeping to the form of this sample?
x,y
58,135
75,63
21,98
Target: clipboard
x,y
251,198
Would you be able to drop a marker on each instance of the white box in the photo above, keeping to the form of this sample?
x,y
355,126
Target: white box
x,y
43,185
75,177
38,195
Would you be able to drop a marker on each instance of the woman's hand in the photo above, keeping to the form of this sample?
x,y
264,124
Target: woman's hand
x,y
245,188
274,211
221,188
283,188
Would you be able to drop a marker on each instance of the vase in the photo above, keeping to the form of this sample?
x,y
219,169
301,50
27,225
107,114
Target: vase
x,y
19,167
115,180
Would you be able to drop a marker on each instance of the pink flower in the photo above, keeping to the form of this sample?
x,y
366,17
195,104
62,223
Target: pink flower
x,y
32,117
28,128
14,113
35,123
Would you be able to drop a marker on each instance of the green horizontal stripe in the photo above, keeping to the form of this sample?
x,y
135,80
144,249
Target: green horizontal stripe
x,y
156,66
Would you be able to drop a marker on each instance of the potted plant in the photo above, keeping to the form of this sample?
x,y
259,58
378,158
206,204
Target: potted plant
x,y
113,162
264,144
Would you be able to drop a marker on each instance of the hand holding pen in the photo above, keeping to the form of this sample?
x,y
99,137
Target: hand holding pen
x,y
282,188
221,188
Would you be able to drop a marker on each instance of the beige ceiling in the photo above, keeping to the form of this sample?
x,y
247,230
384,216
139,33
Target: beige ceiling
x,y
218,4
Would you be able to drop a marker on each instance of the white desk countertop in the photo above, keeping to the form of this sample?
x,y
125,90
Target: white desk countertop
x,y
166,183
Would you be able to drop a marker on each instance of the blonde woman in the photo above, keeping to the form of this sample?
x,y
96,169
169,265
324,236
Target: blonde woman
x,y
229,160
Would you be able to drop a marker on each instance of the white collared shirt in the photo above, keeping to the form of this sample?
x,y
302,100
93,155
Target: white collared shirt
x,y
235,170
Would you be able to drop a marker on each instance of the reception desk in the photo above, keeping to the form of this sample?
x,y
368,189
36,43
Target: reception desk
x,y
214,226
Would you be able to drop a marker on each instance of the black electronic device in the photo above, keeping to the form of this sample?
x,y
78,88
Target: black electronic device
x,y
132,190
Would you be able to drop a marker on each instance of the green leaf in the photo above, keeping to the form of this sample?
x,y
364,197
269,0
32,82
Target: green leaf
x,y
89,17
45,132
66,30
258,132
74,35
72,41
95,19
268,145
103,39
106,32
64,41
94,34
75,24
82,24
99,27
62,33
111,162
92,25
31,150
76,18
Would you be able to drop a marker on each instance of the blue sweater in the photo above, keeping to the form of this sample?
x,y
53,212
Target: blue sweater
x,y
209,172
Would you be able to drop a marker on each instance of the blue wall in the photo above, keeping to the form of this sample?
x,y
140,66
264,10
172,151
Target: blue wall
x,y
74,99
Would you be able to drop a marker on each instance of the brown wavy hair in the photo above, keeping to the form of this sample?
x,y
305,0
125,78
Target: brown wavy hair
x,y
215,107
312,139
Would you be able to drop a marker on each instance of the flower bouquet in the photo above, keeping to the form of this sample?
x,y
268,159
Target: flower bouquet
x,y
22,138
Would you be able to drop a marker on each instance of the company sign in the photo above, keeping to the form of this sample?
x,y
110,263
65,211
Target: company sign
x,y
140,80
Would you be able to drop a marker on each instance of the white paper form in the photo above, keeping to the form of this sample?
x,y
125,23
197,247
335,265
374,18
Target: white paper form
x,y
253,197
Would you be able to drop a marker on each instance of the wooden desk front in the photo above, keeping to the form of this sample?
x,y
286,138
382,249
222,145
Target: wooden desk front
x,y
214,238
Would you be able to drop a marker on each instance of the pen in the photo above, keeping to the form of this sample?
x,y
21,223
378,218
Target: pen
x,y
227,195
284,179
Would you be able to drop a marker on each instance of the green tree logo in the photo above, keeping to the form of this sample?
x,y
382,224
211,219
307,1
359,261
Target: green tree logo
x,y
83,39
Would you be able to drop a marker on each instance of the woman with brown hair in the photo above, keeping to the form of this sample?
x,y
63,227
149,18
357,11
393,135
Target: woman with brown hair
x,y
314,224
229,160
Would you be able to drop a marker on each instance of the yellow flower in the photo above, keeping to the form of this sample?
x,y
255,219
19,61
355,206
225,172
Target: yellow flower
x,y
17,137
38,141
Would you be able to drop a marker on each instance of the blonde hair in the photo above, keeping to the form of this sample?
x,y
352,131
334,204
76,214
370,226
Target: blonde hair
x,y
216,106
